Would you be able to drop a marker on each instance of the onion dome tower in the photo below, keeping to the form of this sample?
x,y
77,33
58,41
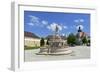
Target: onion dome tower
x,y
79,36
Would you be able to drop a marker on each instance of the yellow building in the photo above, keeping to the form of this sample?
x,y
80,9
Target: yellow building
x,y
31,40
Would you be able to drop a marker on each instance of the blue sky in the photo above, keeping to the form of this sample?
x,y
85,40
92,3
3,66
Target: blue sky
x,y
43,23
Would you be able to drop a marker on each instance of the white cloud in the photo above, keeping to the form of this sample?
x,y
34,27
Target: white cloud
x,y
63,34
30,24
33,17
59,27
53,27
81,26
73,26
76,21
44,22
48,27
79,20
65,27
34,20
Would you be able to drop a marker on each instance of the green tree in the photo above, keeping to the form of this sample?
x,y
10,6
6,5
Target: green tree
x,y
88,41
88,44
71,39
47,41
84,40
42,42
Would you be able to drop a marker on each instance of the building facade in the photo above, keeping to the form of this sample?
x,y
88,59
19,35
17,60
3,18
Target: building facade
x,y
31,40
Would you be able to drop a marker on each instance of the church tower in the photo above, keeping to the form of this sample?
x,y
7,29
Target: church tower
x,y
79,36
79,30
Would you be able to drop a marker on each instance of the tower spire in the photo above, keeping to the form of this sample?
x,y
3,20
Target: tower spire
x,y
79,30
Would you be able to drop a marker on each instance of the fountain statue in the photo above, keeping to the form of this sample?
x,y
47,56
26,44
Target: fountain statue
x,y
56,45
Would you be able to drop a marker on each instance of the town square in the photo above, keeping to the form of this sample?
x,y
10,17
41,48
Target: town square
x,y
56,36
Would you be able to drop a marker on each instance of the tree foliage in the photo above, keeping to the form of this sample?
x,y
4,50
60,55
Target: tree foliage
x,y
47,43
42,42
84,40
71,39
89,41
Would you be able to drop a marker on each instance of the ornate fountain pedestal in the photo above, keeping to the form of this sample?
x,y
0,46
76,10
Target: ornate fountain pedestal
x,y
56,46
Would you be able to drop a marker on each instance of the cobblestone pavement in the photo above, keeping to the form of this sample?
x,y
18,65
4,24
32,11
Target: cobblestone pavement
x,y
79,52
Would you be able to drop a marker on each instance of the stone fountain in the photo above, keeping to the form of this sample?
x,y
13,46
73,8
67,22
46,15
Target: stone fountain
x,y
56,45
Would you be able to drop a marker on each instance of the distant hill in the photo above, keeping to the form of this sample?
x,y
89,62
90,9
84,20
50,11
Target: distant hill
x,y
30,34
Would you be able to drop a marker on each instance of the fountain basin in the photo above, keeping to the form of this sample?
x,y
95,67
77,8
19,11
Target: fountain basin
x,y
62,51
